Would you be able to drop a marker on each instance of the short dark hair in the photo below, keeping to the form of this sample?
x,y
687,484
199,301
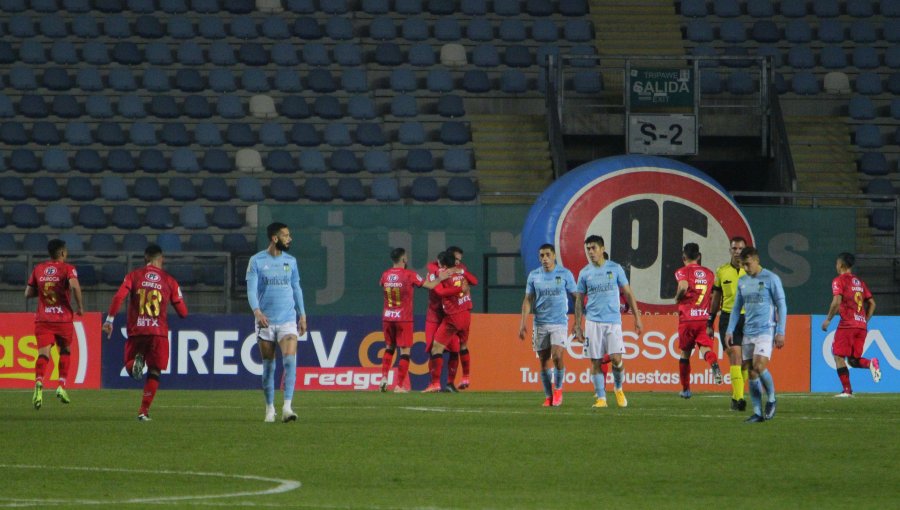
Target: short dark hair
x,y
273,229
55,247
397,254
748,252
547,246
737,239
691,251
594,238
152,251
447,259
847,258
454,250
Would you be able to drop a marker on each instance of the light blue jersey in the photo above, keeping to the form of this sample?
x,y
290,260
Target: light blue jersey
x,y
601,284
550,290
273,286
761,296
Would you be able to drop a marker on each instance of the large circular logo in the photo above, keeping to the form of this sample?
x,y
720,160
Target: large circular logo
x,y
645,208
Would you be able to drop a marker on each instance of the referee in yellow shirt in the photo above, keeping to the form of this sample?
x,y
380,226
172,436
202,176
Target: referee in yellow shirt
x,y
723,293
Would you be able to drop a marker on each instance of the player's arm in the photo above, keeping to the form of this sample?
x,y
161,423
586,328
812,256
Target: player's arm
x,y
177,300
526,309
434,280
781,309
833,309
870,308
733,319
632,303
76,293
30,291
471,278
579,313
715,305
298,301
445,290
681,290
116,304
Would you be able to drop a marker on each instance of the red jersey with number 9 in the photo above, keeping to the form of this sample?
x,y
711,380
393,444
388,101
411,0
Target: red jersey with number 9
x,y
398,285
694,305
51,279
854,294
150,290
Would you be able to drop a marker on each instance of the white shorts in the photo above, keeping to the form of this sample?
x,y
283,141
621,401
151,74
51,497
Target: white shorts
x,y
546,335
277,332
757,345
602,338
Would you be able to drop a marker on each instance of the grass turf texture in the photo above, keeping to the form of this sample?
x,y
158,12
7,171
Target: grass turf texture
x,y
469,450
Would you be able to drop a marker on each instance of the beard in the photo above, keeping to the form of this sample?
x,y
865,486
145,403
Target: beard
x,y
281,246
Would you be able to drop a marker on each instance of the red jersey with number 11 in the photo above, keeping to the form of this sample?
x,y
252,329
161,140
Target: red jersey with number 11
x,y
854,294
398,285
150,290
51,279
694,305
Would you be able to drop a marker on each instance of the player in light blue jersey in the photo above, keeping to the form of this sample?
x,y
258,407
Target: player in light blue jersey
x,y
601,281
547,293
273,290
761,295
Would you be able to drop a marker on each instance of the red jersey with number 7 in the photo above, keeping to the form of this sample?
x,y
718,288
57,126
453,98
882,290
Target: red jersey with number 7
x,y
694,305
150,290
398,285
51,280
854,294
453,299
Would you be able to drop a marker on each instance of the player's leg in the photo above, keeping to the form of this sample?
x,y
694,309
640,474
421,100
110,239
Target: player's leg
x,y
705,343
593,350
62,345
265,340
762,353
735,360
390,331
754,383
442,337
559,336
45,340
615,346
842,348
430,329
452,369
156,355
546,372
686,345
287,343
465,358
858,343
404,340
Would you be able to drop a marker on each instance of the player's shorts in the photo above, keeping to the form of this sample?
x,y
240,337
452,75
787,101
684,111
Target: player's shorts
x,y
737,338
757,345
49,334
693,333
545,336
430,329
601,338
453,331
849,342
277,332
154,348
398,333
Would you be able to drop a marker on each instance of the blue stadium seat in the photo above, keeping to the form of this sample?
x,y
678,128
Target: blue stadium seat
x,y
12,188
317,189
327,107
805,83
578,31
255,80
587,82
170,243
189,80
873,163
860,8
517,56
283,189
458,160
25,216
32,52
45,133
455,133
475,81
275,27
354,80
202,242
113,188
419,160
383,28
132,242
294,107
152,161
793,8
75,244
117,27
450,105
833,57
480,29
512,30
894,109
801,57
285,54
6,106
740,82
307,28
207,134
868,83
240,135
422,55
760,8
880,187
222,80
440,80
24,161
192,216
300,6
13,133
461,189
305,135
215,189
726,8
127,53
473,7
131,106
56,161
403,80
88,161
58,216
110,133
230,107
425,189
826,8
385,189
280,162
102,242
347,54
211,27
700,30
339,28
33,106
22,78
893,84
120,161
157,216
447,29
337,134
868,136
316,54
197,107
113,273
765,31
44,189
693,8
411,133
122,79
15,273
7,241
377,162
156,80
236,243
350,189
85,26
312,162
271,134
863,32
180,27
370,134
217,161
404,105
21,26
831,31
182,189
415,29
361,108
249,189
892,57
174,134
147,189
34,242
344,161
321,81
485,55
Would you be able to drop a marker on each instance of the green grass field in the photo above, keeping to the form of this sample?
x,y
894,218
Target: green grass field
x,y
471,450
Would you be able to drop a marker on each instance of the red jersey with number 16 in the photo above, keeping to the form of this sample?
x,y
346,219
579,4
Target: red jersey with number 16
x,y
150,290
398,285
694,305
51,279
854,294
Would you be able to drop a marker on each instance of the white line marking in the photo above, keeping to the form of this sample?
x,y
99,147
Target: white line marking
x,y
282,487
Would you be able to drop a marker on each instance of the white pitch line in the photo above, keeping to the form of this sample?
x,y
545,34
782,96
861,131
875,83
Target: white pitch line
x,y
282,487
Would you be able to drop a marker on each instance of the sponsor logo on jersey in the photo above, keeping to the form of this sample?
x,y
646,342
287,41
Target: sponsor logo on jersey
x,y
50,271
153,277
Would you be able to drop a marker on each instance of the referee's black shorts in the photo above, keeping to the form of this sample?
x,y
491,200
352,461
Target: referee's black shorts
x,y
737,336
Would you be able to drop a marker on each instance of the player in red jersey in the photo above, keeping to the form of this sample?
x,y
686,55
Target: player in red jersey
x,y
456,302
50,281
463,357
856,306
398,284
150,291
693,298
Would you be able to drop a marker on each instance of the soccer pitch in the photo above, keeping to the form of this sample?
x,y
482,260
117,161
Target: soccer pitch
x,y
467,450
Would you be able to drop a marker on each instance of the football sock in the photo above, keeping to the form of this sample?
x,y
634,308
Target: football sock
x,y
746,373
387,361
63,368
756,396
599,385
290,375
560,377
402,369
437,364
452,367
737,382
859,362
287,403
618,372
40,368
604,369
684,371
766,378
710,358
268,380
548,385
844,376
150,388
465,361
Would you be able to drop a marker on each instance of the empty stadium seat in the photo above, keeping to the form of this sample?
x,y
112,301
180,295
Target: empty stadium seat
x,y
386,189
192,216
80,188
318,189
377,162
157,216
113,188
425,189
169,242
102,242
92,216
280,162
861,108
350,189
182,189
283,189
461,189
249,160
873,163
312,161
58,216
249,189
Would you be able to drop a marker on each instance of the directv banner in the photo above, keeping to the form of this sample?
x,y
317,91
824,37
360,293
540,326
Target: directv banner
x,y
220,352
880,343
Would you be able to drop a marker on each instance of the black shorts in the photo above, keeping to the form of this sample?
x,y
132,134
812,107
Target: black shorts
x,y
737,336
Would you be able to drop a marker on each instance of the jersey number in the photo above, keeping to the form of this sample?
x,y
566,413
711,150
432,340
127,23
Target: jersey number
x,y
702,288
392,295
858,298
49,292
149,302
